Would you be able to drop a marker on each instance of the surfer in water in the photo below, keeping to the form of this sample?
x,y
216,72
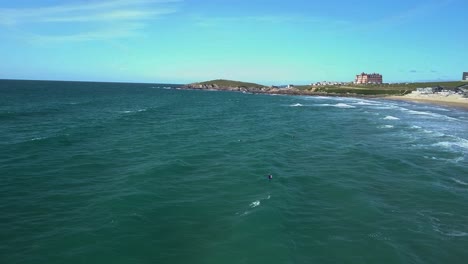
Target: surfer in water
x,y
270,176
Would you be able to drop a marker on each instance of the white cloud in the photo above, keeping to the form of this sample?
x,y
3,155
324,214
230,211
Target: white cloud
x,y
121,31
213,21
115,18
117,15
115,9
424,11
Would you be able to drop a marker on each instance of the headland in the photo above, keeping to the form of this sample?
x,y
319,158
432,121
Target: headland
x,y
443,93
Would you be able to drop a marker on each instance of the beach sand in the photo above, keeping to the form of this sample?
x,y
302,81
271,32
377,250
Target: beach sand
x,y
454,100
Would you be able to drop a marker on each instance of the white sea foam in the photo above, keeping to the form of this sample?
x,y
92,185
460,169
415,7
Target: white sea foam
x,y
459,182
255,204
317,97
243,213
342,105
434,133
386,126
414,112
132,111
391,118
451,233
454,160
430,114
295,105
459,144
386,106
365,103
456,233
251,205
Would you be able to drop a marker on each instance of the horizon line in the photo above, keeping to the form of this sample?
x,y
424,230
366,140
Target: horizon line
x,y
176,83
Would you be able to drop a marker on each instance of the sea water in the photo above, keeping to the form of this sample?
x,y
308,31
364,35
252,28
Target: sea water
x,y
148,173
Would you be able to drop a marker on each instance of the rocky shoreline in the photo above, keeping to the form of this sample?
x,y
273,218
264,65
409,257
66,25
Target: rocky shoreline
x,y
439,100
270,90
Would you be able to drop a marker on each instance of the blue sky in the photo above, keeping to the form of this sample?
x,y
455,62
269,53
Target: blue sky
x,y
269,42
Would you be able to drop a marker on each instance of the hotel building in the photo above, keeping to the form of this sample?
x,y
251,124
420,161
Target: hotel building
x,y
365,78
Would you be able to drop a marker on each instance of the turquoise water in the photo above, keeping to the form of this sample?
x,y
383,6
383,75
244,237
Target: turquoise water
x,y
141,173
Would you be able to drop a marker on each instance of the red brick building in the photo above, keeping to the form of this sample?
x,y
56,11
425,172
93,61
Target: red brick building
x,y
365,78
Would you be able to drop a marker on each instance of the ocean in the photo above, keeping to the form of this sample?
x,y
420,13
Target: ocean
x,y
148,173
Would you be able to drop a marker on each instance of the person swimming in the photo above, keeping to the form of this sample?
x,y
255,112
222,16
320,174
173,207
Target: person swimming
x,y
270,176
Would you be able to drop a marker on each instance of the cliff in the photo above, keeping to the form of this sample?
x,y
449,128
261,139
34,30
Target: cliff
x,y
227,85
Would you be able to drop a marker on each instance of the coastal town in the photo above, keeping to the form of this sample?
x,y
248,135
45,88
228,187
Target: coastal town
x,y
363,85
361,81
363,78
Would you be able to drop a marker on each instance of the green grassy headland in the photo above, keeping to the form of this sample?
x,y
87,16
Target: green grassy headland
x,y
378,89
230,83
349,89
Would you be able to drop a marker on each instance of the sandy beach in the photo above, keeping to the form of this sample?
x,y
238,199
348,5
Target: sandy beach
x,y
454,100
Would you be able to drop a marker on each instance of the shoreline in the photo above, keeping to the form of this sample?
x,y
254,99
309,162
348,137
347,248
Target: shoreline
x,y
451,100
276,91
436,99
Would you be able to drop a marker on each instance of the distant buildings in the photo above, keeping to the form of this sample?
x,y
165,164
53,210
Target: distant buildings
x,y
289,86
465,76
364,78
428,90
463,89
445,91
328,83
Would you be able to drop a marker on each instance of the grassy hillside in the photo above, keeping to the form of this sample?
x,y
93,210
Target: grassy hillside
x,y
230,83
411,86
369,89
380,89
